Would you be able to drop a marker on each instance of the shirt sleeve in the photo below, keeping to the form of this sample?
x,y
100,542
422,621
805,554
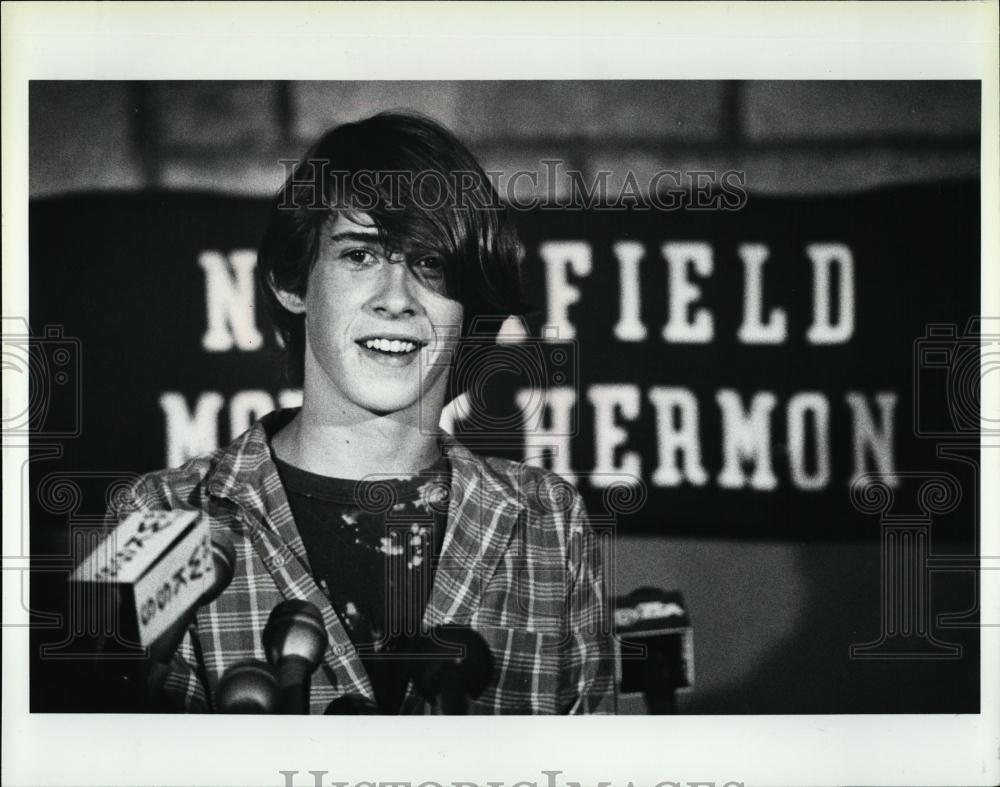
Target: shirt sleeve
x,y
587,683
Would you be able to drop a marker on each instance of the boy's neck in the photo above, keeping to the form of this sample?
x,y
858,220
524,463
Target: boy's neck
x,y
376,446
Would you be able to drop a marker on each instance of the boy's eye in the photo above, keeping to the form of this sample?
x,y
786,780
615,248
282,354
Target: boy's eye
x,y
360,256
431,266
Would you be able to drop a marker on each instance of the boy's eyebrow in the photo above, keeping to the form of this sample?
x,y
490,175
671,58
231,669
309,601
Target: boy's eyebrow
x,y
363,237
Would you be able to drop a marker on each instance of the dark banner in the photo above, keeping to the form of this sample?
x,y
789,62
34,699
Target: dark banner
x,y
706,372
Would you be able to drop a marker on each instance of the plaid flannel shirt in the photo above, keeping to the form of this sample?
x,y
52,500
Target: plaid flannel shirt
x,y
520,564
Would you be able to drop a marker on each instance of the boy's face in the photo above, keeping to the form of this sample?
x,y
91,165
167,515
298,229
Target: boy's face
x,y
380,329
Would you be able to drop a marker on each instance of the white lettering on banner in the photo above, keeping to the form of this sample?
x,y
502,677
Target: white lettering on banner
x,y
559,292
683,292
745,434
688,321
753,330
246,407
229,300
191,434
231,308
456,411
629,327
680,440
553,441
799,406
746,437
869,438
823,257
608,436
745,428
290,397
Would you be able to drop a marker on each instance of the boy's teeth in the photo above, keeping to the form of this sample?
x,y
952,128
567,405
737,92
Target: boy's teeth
x,y
390,345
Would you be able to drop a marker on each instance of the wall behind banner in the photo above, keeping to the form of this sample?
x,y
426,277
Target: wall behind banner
x,y
774,614
790,137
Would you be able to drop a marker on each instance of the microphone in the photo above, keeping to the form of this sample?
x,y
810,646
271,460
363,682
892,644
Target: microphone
x,y
654,647
137,593
453,664
248,687
224,562
223,565
295,640
153,567
351,705
162,651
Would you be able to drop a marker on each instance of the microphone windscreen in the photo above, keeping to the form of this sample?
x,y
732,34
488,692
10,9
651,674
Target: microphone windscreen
x,y
452,647
248,687
295,628
351,705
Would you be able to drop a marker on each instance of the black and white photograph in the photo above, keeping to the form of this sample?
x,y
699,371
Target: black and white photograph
x,y
661,398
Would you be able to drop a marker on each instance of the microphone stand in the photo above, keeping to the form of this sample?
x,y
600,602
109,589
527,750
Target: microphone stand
x,y
452,699
200,668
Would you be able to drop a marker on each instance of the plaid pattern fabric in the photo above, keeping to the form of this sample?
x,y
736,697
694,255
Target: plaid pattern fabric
x,y
519,563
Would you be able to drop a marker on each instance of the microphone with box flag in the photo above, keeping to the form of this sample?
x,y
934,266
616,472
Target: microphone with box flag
x,y
162,651
452,665
141,588
223,564
654,648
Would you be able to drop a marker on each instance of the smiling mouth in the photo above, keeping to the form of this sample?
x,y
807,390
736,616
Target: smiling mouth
x,y
391,346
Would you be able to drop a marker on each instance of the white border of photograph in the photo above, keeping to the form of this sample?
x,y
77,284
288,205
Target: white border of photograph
x,y
490,41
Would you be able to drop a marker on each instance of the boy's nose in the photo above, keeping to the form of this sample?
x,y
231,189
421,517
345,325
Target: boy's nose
x,y
396,297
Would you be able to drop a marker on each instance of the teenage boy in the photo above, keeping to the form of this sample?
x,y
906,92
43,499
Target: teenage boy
x,y
383,246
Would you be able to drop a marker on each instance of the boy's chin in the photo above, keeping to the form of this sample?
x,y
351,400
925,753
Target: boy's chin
x,y
383,400
384,407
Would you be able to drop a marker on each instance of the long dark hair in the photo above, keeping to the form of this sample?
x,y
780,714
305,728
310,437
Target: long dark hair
x,y
422,187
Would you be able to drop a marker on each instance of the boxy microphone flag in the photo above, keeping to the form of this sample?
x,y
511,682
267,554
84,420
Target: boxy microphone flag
x,y
159,562
653,618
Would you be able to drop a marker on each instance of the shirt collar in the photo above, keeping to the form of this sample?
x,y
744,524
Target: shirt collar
x,y
246,473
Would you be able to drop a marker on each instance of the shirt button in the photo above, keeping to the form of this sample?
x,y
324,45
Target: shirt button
x,y
278,561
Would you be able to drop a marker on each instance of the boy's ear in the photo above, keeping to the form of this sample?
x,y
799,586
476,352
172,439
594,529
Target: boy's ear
x,y
289,300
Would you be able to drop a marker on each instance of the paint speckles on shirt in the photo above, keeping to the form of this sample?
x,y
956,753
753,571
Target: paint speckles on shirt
x,y
374,562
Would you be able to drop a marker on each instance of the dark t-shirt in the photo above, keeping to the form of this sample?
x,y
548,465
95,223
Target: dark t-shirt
x,y
372,547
